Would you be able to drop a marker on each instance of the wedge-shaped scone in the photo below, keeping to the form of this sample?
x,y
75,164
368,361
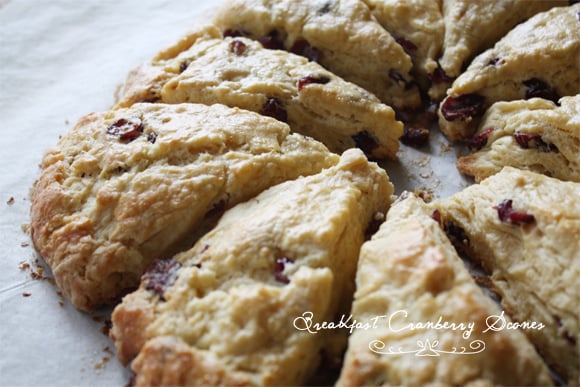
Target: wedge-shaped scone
x,y
524,229
240,72
538,58
410,274
474,26
125,187
418,27
231,310
343,36
533,134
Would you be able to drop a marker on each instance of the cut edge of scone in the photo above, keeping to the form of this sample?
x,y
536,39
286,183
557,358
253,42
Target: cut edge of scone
x,y
127,186
293,255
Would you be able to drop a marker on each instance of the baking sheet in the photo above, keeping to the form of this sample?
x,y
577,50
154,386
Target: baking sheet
x,y
60,60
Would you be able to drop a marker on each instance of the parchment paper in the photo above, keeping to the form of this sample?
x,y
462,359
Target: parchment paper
x,y
60,60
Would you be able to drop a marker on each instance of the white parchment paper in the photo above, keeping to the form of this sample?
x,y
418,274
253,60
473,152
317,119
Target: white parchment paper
x,y
60,60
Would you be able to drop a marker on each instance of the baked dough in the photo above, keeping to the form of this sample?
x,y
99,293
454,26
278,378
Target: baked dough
x,y
124,187
342,36
417,25
533,134
227,314
205,68
474,26
409,273
523,228
538,58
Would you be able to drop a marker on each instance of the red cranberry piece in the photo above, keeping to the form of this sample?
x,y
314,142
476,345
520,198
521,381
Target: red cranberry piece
x,y
303,48
307,80
534,141
365,142
436,216
407,45
272,41
415,137
126,129
160,275
507,214
232,33
237,47
275,109
440,76
279,270
152,137
462,107
536,88
480,140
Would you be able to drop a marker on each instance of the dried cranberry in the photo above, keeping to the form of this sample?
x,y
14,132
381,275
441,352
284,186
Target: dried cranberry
x,y
272,41
233,33
275,109
237,47
462,107
440,76
407,45
415,137
307,80
536,88
534,141
279,270
160,275
126,129
152,137
303,48
507,214
436,216
365,142
480,140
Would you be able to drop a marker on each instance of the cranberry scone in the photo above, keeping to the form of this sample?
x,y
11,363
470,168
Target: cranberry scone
x,y
538,58
418,27
341,35
126,186
474,26
523,228
534,134
206,68
409,275
236,308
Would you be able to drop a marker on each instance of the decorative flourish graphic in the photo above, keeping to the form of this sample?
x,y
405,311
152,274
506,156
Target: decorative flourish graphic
x,y
427,348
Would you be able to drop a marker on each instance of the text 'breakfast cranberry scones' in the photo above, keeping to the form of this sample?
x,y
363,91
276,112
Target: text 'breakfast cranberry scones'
x,y
205,68
533,134
538,58
342,36
474,26
225,312
524,229
125,187
409,275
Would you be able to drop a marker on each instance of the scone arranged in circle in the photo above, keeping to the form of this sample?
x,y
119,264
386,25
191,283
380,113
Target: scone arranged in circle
x,y
342,36
533,134
204,68
409,275
418,27
538,58
524,229
233,309
474,26
127,186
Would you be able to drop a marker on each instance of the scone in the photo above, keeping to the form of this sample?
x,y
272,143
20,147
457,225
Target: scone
x,y
205,68
410,275
474,26
233,309
342,36
538,58
523,228
533,134
127,186
418,27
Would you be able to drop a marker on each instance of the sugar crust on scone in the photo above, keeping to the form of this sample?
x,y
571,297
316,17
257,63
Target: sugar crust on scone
x,y
124,187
